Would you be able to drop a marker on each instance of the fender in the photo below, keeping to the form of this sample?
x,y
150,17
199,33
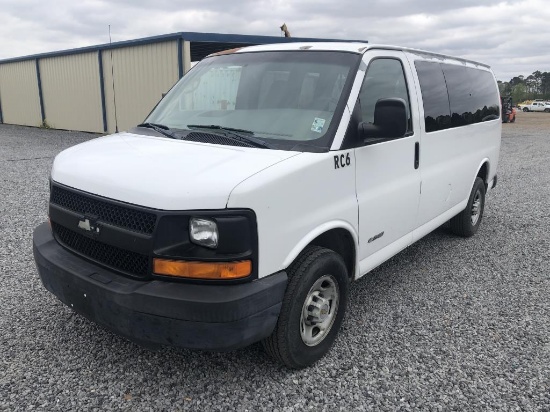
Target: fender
x,y
319,230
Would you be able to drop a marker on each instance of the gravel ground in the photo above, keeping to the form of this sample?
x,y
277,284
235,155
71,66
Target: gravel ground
x,y
448,324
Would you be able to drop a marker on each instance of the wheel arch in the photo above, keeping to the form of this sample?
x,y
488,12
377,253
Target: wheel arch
x,y
338,236
483,171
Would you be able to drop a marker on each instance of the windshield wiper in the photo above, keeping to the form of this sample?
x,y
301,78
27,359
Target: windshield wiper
x,y
160,128
234,134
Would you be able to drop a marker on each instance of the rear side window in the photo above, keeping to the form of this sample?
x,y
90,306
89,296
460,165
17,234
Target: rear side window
x,y
437,115
455,95
472,95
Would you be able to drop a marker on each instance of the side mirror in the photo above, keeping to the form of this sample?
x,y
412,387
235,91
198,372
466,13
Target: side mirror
x,y
390,121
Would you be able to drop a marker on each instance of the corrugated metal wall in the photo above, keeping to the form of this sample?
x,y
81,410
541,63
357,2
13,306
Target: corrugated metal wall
x,y
19,97
71,92
71,87
142,74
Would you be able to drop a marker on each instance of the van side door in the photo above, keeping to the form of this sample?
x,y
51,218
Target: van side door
x,y
387,172
461,130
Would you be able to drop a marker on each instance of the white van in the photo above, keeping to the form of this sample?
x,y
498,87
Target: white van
x,y
262,185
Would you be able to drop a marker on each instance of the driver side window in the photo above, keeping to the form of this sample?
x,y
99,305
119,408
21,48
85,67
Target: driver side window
x,y
384,79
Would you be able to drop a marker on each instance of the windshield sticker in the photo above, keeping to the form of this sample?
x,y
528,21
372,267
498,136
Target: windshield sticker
x,y
317,125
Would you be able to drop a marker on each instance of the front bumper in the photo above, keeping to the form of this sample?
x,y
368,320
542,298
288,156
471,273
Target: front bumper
x,y
157,313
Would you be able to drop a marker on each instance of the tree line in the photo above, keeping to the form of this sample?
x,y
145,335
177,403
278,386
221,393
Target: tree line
x,y
534,86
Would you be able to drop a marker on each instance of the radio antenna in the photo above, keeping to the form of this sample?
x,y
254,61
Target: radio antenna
x,y
113,77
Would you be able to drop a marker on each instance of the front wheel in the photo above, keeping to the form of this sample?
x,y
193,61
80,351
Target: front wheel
x,y
547,110
467,222
525,109
313,308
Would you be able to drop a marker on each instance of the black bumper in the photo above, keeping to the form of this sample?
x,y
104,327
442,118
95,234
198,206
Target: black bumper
x,y
156,313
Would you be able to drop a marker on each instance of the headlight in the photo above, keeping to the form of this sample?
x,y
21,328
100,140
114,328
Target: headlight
x,y
204,232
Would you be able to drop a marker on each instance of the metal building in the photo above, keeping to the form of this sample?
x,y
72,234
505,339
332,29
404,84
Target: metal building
x,y
74,89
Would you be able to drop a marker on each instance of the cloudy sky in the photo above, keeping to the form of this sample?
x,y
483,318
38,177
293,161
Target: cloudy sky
x,y
512,36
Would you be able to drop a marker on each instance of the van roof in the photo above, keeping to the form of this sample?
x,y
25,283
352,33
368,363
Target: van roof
x,y
353,47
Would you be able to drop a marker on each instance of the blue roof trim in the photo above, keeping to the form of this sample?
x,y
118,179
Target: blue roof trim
x,y
251,39
189,36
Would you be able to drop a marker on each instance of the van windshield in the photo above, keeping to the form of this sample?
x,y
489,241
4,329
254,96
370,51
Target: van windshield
x,y
290,99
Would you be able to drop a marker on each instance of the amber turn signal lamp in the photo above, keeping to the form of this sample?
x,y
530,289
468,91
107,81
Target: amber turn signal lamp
x,y
202,270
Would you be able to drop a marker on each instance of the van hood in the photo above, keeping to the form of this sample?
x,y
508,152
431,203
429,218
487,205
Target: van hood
x,y
161,173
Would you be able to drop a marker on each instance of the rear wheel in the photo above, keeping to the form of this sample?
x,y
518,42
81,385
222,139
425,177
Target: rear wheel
x,y
547,110
467,222
313,308
525,109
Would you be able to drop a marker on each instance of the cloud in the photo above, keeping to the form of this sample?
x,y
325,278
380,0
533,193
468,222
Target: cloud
x,y
508,35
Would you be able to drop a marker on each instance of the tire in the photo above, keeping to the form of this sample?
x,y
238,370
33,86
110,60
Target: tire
x,y
315,271
546,110
525,109
466,223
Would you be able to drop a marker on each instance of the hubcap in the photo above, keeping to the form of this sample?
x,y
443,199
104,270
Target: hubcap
x,y
319,310
476,208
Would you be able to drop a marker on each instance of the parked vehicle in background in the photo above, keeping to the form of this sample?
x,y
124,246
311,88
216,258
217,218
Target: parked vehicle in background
x,y
508,109
537,106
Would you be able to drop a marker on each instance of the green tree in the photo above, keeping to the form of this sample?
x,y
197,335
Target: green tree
x,y
534,86
501,87
545,85
519,93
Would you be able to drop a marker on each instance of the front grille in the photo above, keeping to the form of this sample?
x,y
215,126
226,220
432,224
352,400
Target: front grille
x,y
129,262
124,217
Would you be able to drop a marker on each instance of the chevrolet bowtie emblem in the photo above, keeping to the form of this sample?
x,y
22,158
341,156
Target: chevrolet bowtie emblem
x,y
88,226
